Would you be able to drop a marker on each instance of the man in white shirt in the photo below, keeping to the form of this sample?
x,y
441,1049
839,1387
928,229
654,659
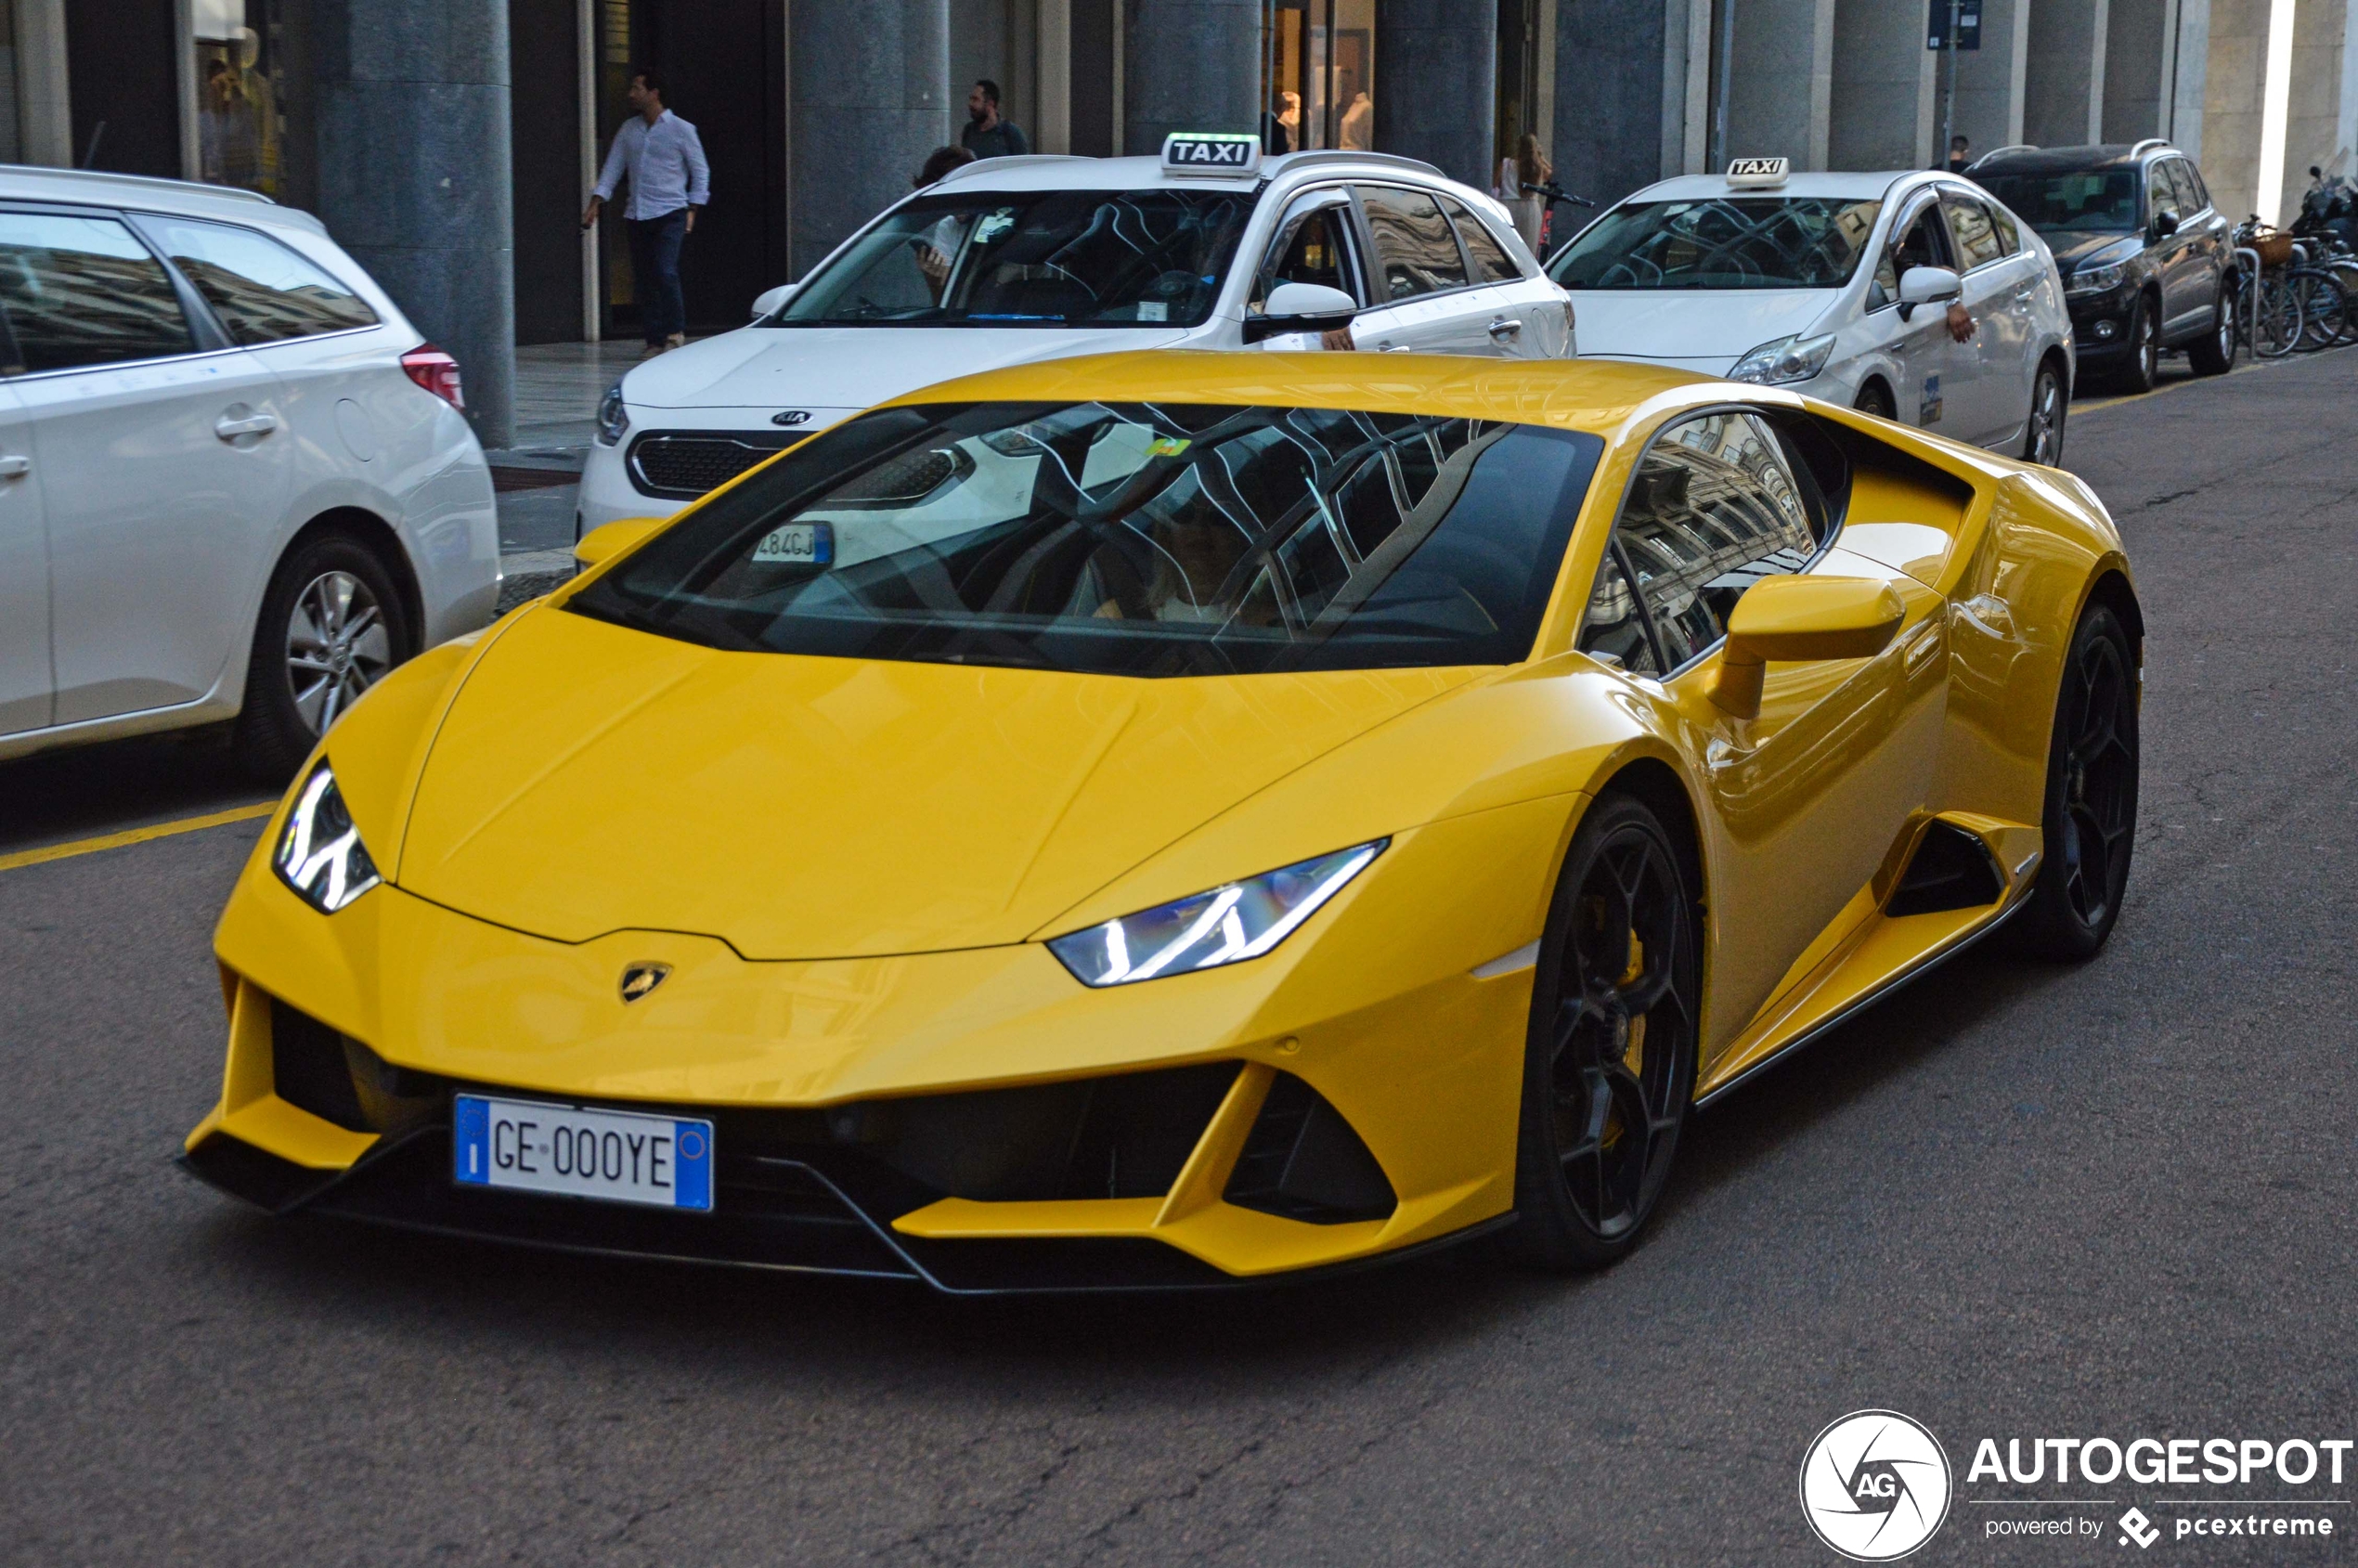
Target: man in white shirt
x,y
670,184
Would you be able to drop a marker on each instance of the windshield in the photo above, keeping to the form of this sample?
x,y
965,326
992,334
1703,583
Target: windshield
x,y
1126,540
2104,200
1728,243
1033,258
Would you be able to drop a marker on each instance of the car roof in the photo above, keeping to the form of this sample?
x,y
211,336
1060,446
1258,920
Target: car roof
x,y
24,182
2069,159
1064,172
1591,395
1860,187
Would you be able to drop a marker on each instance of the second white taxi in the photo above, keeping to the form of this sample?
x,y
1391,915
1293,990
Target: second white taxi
x,y
1909,294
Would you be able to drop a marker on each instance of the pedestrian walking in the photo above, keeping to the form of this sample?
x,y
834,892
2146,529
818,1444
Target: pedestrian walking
x,y
987,133
1529,166
670,184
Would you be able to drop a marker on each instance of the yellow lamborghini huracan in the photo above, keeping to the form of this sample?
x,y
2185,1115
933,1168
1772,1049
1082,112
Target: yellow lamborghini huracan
x,y
1177,819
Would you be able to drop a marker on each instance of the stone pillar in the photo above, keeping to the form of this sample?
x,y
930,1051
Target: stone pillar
x,y
1990,83
415,178
1437,84
2189,70
1623,115
1195,65
2234,84
1882,108
871,98
1781,101
44,123
2319,108
2064,82
2138,52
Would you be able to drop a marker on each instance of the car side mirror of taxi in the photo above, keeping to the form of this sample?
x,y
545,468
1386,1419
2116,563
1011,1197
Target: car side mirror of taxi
x,y
770,301
1927,285
1801,618
1301,307
602,544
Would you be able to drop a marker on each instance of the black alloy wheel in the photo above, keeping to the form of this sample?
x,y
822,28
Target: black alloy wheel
x,y
2213,354
2143,365
1609,1064
332,624
1874,399
2043,440
2090,823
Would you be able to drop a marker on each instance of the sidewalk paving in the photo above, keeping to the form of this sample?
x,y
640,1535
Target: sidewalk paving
x,y
558,386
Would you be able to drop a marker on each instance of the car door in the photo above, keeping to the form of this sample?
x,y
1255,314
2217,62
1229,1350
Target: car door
x,y
24,578
2188,273
1806,800
1935,368
157,449
1997,291
1421,303
1316,242
1521,318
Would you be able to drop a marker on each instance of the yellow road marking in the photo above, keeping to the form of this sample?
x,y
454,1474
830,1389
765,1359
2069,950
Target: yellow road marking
x,y
133,835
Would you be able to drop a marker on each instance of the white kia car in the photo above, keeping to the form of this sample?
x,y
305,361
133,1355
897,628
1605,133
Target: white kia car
x,y
1017,259
234,482
1838,286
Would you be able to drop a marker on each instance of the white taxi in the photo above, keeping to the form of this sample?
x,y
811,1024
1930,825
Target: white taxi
x,y
1911,294
1018,259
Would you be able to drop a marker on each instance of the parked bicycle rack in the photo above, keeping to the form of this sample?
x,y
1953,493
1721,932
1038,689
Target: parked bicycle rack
x,y
2248,260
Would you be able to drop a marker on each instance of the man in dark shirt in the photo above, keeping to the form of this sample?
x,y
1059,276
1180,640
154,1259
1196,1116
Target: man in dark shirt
x,y
987,136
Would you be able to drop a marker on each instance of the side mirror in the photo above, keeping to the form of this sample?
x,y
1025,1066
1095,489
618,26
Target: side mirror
x,y
770,301
602,544
1927,285
2165,225
1798,618
1302,307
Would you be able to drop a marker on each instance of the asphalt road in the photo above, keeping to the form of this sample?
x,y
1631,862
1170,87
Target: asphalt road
x,y
2015,1201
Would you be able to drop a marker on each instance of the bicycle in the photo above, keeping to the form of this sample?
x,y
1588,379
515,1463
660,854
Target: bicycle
x,y
2269,310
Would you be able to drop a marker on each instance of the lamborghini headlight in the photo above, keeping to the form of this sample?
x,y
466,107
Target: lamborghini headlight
x,y
1785,359
320,855
1205,930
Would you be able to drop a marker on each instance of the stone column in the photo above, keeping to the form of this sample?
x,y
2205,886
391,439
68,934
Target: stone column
x,y
1781,100
2233,88
2139,53
44,125
2063,75
1195,65
871,98
1883,115
1631,96
2318,112
415,178
1990,83
1437,84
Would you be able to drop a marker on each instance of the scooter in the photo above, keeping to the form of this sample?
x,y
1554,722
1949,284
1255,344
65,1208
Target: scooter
x,y
1553,193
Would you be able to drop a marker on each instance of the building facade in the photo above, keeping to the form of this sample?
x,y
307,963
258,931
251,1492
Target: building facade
x,y
450,144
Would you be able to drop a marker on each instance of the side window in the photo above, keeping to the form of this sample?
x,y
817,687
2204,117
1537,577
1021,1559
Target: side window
x,y
1310,247
2161,193
1713,510
262,292
1613,629
1974,235
2197,193
85,292
1490,262
2181,180
1415,250
2002,222
1923,241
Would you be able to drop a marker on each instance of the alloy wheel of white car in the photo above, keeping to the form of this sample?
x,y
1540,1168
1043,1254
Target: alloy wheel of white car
x,y
337,647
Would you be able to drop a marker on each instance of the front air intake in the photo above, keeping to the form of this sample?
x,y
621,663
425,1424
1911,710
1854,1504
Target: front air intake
x,y
338,1080
1303,1162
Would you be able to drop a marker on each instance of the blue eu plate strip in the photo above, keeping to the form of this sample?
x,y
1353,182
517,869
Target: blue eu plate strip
x,y
471,1141
691,1172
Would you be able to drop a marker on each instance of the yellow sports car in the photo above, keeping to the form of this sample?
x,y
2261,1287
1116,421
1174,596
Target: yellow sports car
x,y
1178,819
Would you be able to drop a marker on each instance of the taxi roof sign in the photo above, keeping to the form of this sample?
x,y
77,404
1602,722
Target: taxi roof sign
x,y
1759,173
1212,153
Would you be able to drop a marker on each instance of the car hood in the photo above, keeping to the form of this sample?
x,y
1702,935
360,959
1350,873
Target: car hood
x,y
590,779
2072,246
1706,330
851,367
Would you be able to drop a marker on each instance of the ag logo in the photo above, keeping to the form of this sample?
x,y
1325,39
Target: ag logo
x,y
1874,1485
640,979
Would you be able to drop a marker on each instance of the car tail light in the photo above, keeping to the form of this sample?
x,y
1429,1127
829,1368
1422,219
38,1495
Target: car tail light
x,y
437,372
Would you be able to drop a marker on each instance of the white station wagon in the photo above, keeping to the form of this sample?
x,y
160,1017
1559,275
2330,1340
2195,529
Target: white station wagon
x,y
1837,286
1018,259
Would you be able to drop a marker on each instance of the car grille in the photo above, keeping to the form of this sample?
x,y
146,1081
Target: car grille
x,y
684,464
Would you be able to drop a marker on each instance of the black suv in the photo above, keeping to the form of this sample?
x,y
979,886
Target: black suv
x,y
2144,257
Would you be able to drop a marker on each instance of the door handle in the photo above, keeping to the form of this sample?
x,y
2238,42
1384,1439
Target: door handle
x,y
229,428
1505,327
1393,348
15,467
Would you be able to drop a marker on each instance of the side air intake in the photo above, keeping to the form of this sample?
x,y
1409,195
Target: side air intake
x,y
1952,869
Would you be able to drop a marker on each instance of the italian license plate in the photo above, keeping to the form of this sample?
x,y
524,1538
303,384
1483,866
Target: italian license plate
x,y
617,1156
798,544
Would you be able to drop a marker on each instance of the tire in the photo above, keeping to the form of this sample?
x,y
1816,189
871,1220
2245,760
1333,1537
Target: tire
x,y
2089,825
2143,367
1874,399
2280,323
332,624
1609,1070
2213,354
2042,437
2324,308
